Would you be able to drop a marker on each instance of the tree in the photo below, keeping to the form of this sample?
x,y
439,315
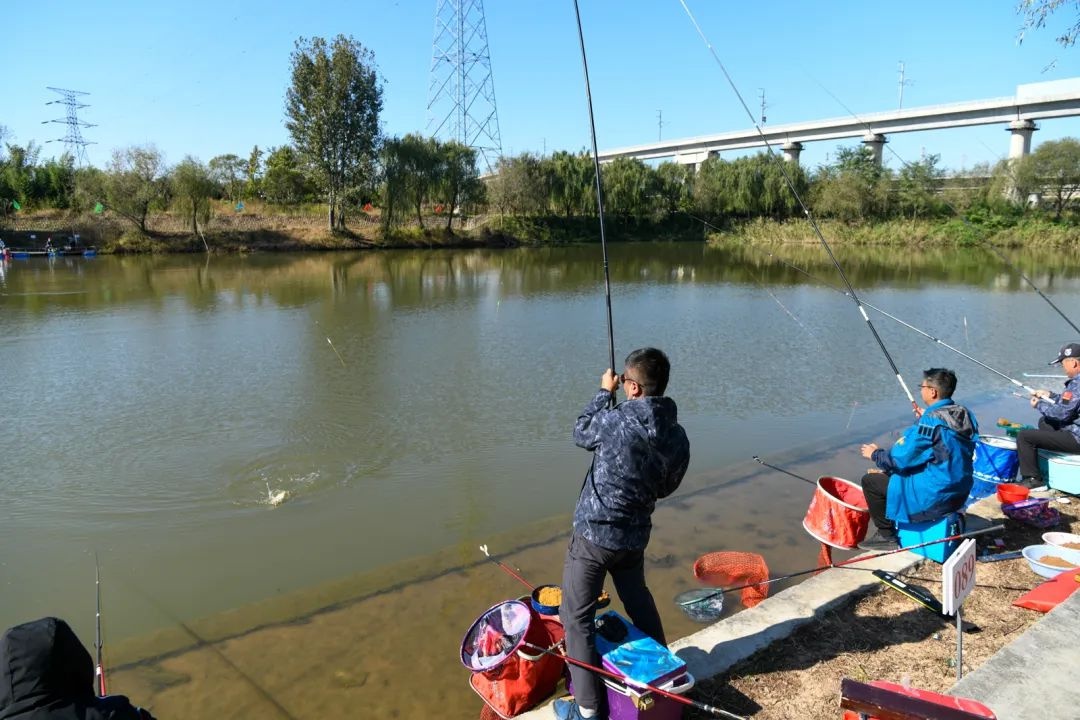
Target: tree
x,y
675,185
134,183
519,186
1054,168
570,183
459,182
918,186
230,173
629,185
854,188
284,181
193,186
253,186
1037,12
332,108
411,166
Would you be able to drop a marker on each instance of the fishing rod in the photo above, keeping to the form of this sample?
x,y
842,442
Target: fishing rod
x,y
773,467
523,581
963,218
712,709
806,211
599,191
892,317
99,670
861,558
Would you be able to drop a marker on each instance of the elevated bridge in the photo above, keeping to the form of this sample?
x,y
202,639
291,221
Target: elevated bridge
x,y
1035,101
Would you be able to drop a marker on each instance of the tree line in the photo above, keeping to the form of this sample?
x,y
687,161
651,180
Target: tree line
x,y
339,157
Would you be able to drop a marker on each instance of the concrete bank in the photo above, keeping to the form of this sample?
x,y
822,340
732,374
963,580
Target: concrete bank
x,y
1034,675
716,648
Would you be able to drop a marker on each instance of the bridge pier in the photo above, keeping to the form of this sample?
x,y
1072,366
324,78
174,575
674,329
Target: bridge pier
x,y
791,151
1020,142
692,158
876,143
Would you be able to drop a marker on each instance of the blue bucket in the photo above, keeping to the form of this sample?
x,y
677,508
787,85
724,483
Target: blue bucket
x,y
995,460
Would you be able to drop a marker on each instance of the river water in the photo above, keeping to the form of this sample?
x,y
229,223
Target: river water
x,y
413,405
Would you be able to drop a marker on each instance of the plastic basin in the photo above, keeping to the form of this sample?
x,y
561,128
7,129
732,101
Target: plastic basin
x,y
542,608
1035,553
1011,492
1061,538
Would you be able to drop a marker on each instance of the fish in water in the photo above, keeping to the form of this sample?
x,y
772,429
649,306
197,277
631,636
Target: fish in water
x,y
276,498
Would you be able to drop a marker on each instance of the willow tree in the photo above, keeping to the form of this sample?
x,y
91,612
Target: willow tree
x,y
332,113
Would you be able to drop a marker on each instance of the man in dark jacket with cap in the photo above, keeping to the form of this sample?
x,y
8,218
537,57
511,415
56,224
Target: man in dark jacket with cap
x,y
1059,426
640,454
47,674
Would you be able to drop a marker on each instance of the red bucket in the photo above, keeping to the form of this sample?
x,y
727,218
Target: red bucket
x,y
838,514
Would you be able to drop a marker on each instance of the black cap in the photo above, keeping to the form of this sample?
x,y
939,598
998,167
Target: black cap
x,y
1071,350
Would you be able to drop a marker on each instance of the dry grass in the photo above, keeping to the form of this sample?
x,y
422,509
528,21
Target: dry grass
x,y
883,636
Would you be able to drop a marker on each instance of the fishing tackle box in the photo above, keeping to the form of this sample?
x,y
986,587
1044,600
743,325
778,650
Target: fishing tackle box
x,y
641,658
1061,471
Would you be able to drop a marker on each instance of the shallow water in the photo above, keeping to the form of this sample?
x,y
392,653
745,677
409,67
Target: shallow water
x,y
149,401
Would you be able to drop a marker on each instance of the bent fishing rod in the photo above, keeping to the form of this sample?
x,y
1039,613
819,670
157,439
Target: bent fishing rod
x,y
892,317
599,191
963,218
852,561
712,709
806,211
99,670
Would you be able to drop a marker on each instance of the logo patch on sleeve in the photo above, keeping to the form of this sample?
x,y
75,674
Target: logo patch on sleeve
x,y
1066,396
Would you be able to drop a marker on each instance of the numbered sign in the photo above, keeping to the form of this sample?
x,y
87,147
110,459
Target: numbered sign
x,y
958,577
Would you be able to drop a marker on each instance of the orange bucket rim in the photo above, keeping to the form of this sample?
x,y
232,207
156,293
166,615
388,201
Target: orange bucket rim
x,y
838,500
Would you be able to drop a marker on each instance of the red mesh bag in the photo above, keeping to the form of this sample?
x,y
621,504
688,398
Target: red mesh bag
x,y
527,676
724,569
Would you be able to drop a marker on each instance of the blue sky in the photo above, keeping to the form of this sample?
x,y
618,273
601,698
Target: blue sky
x,y
207,78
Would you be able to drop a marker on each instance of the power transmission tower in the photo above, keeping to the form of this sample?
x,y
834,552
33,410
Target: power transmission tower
x,y
73,140
902,83
461,97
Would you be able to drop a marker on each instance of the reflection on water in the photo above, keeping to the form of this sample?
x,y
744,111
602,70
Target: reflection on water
x,y
149,401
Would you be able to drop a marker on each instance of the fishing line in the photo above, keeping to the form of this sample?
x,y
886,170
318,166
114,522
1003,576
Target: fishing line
x,y
806,211
892,317
599,190
960,215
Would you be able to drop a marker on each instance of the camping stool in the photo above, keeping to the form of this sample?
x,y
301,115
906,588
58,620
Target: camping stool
x,y
915,533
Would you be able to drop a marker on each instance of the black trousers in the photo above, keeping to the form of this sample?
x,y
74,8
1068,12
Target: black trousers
x,y
1028,443
875,487
587,566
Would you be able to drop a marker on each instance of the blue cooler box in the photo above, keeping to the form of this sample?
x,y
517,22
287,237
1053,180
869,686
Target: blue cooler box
x,y
915,533
639,657
1061,471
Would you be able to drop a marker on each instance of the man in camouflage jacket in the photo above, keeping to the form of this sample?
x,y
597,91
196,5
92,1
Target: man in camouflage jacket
x,y
640,454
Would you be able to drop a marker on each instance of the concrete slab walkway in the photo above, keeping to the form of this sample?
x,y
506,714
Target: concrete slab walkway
x,y
1035,675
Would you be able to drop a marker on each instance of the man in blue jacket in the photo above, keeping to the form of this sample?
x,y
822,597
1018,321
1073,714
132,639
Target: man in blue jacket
x,y
1059,426
927,473
640,454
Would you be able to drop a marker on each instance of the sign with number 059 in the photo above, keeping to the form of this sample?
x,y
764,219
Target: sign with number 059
x,y
958,577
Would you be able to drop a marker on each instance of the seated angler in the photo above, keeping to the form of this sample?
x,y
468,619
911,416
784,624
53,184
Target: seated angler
x,y
1059,426
927,473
